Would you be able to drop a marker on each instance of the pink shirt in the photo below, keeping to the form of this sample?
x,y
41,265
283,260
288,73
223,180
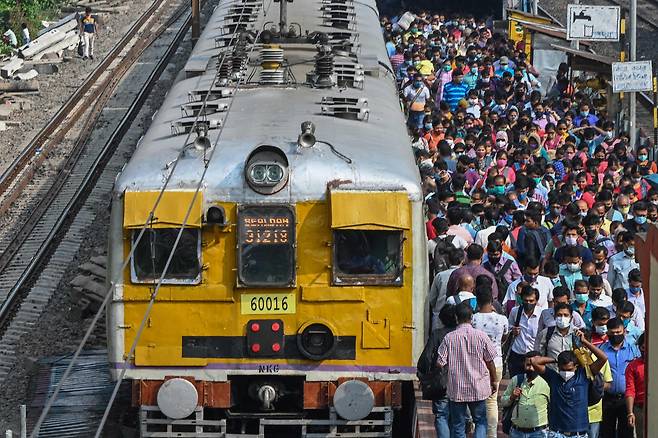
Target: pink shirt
x,y
465,351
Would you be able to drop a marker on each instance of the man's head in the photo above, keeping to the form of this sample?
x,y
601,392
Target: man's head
x,y
561,295
567,361
529,298
596,286
494,251
527,364
466,283
447,316
572,258
635,281
616,331
474,253
531,269
464,313
600,317
88,11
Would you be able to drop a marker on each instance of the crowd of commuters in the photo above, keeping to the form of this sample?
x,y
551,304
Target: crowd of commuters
x,y
533,201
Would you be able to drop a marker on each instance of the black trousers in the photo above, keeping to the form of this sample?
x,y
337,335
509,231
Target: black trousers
x,y
615,418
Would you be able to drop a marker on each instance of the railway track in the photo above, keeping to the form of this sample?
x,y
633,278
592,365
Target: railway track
x,y
48,222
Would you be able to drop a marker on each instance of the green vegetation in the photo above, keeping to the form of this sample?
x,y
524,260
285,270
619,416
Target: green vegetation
x,y
15,12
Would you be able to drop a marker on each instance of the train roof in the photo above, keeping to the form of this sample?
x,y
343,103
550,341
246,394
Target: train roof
x,y
378,146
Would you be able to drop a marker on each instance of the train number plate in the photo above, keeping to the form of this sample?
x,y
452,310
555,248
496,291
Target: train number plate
x,y
267,304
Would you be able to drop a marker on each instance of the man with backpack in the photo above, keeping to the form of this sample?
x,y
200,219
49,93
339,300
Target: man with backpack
x,y
432,379
572,391
504,270
438,291
526,402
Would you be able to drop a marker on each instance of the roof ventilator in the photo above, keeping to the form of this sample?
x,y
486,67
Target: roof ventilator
x,y
184,125
272,71
199,108
202,94
349,74
239,58
346,108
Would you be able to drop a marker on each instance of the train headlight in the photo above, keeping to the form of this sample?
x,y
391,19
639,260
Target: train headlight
x,y
316,341
266,170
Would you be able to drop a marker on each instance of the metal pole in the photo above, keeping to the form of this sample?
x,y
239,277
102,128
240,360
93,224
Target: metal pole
x,y
23,421
633,55
196,20
535,7
575,44
655,115
283,17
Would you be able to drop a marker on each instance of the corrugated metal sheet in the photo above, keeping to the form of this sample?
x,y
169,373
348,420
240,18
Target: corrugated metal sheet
x,y
82,400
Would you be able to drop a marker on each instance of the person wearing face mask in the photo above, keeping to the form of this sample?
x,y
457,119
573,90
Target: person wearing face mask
x,y
600,317
568,414
635,390
523,321
532,395
554,340
638,223
542,284
455,90
623,262
570,265
619,353
628,315
571,238
593,224
597,296
416,95
547,318
634,293
646,167
581,302
623,207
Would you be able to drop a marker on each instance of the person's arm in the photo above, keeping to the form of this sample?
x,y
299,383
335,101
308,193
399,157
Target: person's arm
x,y
630,394
509,395
492,375
539,363
601,357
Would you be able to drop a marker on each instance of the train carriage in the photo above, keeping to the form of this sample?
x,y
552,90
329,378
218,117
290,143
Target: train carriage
x,y
295,301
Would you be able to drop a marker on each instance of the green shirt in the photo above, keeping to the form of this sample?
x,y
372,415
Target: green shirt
x,y
532,407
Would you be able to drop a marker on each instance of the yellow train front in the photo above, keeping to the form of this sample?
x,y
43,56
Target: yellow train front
x,y
294,304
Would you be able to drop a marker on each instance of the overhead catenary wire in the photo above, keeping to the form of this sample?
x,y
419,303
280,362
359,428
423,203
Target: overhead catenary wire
x,y
108,293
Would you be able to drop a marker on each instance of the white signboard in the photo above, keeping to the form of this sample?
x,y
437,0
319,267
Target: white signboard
x,y
632,76
593,23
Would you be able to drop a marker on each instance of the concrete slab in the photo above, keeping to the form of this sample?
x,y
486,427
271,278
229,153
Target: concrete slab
x,y
7,71
27,76
5,112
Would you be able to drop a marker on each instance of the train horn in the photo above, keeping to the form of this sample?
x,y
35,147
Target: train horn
x,y
307,137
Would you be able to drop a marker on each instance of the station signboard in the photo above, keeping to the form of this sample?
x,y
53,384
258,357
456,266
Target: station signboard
x,y
632,76
593,23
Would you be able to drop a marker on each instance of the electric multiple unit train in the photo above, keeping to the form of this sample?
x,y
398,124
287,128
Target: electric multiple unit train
x,y
294,303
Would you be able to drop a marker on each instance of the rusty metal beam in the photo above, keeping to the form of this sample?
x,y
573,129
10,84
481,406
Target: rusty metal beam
x,y
196,20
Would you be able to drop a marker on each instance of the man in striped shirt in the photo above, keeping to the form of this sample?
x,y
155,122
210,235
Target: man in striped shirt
x,y
455,90
469,355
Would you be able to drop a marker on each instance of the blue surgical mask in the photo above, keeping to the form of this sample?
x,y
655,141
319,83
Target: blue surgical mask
x,y
556,281
582,298
428,127
522,196
635,290
640,220
626,322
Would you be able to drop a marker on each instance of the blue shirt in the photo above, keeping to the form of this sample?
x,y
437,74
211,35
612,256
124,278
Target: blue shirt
x,y
453,93
619,360
586,315
568,406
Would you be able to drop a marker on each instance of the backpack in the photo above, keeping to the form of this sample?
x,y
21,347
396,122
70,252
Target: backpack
x,y
595,390
549,335
433,380
507,412
440,256
502,283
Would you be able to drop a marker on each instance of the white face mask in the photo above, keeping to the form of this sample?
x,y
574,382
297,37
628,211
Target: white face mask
x,y
601,329
566,375
562,322
570,240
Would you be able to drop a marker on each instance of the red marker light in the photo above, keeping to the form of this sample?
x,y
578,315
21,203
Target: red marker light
x,y
255,348
276,347
255,327
276,326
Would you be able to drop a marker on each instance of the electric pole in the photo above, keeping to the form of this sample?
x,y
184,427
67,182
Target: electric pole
x,y
633,57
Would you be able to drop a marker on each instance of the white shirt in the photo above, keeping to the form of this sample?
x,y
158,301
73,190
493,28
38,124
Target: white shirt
x,y
495,326
482,237
547,319
457,242
602,301
543,284
525,342
637,300
637,318
437,296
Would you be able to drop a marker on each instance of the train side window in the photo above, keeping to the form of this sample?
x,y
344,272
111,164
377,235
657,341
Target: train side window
x,y
367,257
153,249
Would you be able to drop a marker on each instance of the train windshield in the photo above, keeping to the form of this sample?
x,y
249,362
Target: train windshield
x,y
367,257
266,236
153,250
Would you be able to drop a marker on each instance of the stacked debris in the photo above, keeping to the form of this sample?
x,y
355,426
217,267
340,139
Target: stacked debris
x,y
88,288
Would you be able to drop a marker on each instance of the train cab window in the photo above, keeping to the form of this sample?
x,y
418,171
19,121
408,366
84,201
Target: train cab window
x,y
266,240
153,249
367,257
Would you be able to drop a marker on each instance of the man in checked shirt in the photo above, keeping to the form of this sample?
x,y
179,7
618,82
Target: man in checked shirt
x,y
469,355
